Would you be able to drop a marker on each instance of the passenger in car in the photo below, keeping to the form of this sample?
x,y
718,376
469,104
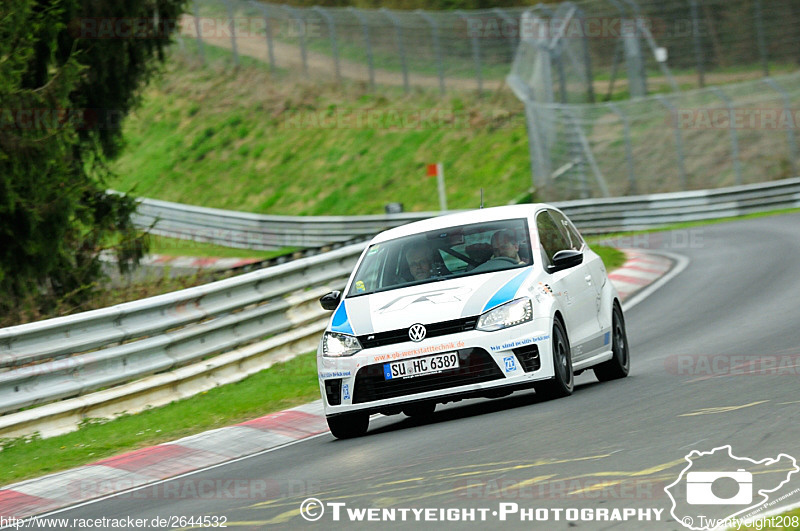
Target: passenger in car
x,y
505,245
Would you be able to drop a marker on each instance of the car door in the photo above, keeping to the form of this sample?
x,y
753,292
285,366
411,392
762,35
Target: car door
x,y
570,286
594,264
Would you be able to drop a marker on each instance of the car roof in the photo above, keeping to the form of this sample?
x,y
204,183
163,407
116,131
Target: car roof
x,y
462,218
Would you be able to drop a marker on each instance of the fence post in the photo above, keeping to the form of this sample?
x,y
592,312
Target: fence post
x,y
737,164
261,7
332,34
367,43
301,30
587,61
437,47
398,39
476,52
698,45
678,138
512,42
787,108
199,33
628,147
762,47
232,24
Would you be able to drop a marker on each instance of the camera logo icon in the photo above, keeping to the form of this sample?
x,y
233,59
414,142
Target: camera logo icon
x,y
699,488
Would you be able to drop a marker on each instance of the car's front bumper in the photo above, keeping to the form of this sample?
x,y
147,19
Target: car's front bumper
x,y
488,361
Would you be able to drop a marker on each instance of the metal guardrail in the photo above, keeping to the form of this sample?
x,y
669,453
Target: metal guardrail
x,y
192,333
256,231
69,356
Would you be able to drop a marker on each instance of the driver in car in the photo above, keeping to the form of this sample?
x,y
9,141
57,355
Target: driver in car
x,y
420,261
505,245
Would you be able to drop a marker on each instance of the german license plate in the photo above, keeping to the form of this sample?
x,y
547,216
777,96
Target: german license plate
x,y
420,366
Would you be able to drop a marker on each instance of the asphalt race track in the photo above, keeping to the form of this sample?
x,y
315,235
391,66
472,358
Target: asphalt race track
x,y
715,355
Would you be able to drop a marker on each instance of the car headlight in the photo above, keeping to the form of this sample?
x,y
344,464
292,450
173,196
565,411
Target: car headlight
x,y
335,344
510,314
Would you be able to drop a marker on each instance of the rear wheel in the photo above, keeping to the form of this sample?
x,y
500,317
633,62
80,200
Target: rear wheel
x,y
348,425
620,363
419,410
563,383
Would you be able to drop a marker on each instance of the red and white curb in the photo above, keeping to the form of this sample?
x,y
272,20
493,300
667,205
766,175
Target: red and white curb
x,y
192,262
639,271
149,465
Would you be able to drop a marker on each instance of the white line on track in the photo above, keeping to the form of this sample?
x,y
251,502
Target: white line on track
x,y
681,262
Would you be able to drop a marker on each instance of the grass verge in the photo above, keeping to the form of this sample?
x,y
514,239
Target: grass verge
x,y
178,247
282,386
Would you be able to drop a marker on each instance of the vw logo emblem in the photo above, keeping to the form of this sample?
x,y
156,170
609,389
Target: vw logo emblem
x,y
417,333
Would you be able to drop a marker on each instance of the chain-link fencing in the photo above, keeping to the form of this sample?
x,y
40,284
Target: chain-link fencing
x,y
627,47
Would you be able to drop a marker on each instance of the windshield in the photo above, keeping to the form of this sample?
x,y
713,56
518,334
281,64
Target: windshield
x,y
442,254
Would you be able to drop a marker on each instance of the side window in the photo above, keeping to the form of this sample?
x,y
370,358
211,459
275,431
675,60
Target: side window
x,y
551,237
569,230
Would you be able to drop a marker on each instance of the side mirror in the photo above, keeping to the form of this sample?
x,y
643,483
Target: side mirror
x,y
565,259
331,300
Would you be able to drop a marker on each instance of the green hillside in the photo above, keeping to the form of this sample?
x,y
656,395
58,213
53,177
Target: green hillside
x,y
244,140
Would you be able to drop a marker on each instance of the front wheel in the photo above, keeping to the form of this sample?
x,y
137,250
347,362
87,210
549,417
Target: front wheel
x,y
620,363
563,383
349,425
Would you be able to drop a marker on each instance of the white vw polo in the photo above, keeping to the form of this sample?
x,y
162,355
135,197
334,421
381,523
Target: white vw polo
x,y
478,303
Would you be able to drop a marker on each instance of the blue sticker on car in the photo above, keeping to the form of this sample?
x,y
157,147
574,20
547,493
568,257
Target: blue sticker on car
x,y
346,392
607,338
340,322
511,364
507,292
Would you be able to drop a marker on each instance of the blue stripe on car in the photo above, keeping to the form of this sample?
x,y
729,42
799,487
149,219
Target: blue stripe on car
x,y
340,322
507,292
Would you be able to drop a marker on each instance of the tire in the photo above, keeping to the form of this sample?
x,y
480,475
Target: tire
x,y
349,425
563,383
619,365
419,410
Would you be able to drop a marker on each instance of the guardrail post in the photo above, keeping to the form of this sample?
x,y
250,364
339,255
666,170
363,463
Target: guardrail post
x,y
301,30
437,47
199,33
628,147
476,52
232,25
398,38
737,164
678,138
698,46
332,34
787,108
367,43
261,7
